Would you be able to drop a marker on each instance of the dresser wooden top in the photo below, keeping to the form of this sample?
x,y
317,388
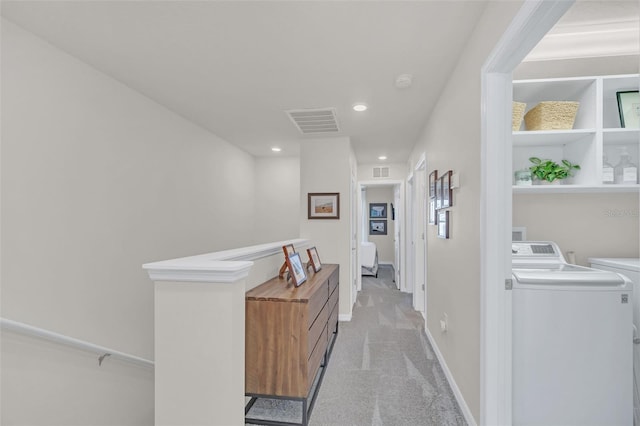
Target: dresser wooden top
x,y
279,289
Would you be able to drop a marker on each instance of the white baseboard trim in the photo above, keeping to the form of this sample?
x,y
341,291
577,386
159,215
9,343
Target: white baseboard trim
x,y
344,317
466,412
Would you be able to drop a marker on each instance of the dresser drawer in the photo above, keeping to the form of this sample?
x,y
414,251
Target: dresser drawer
x,y
333,299
317,355
333,318
316,330
316,303
333,281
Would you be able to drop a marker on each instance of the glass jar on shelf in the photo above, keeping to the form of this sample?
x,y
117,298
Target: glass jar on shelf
x,y
625,172
523,177
607,171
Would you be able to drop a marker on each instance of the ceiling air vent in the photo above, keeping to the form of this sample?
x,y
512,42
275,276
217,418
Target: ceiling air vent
x,y
311,121
381,172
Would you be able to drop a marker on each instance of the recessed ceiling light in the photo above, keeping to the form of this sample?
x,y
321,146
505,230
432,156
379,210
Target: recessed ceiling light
x,y
276,149
360,107
382,157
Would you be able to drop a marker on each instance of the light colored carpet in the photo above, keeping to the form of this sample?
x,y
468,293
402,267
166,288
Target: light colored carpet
x,y
382,371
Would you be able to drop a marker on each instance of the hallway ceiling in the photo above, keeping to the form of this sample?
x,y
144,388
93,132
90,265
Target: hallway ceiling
x,y
235,67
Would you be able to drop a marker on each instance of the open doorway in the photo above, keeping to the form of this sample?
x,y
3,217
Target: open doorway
x,y
532,22
381,228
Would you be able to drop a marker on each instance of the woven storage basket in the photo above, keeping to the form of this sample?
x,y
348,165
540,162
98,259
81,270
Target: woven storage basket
x,y
552,115
516,115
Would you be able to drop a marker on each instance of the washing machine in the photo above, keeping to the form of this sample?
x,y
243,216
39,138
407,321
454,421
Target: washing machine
x,y
630,268
572,341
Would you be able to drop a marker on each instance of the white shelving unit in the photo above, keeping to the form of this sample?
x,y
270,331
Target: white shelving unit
x,y
596,131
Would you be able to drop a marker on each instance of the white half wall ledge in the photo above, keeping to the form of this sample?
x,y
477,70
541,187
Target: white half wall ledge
x,y
213,271
220,267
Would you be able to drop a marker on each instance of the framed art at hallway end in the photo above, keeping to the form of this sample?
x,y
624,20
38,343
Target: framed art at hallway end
x,y
377,210
323,205
377,227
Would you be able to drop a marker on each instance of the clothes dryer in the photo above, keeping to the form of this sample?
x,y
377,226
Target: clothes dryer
x,y
629,267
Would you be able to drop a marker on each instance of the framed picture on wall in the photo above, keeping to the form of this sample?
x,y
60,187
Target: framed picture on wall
x,y
443,224
433,181
323,205
432,211
438,197
377,210
377,227
446,192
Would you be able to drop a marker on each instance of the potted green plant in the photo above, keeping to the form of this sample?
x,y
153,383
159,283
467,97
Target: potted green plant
x,y
550,171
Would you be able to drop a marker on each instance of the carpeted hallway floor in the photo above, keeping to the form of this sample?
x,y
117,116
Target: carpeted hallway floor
x,y
382,370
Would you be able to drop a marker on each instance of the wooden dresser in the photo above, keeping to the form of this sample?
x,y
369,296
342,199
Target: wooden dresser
x,y
288,335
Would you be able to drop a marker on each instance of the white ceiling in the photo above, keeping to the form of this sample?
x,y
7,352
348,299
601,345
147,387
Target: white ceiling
x,y
234,67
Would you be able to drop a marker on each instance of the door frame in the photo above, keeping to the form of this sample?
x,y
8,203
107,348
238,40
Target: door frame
x,y
409,259
419,234
400,215
534,19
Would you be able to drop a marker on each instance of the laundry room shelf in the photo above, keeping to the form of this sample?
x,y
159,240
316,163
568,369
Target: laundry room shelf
x,y
597,132
566,189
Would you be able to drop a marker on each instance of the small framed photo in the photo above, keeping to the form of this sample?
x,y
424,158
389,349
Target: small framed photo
x,y
377,210
629,109
446,192
433,181
438,197
314,259
288,250
377,227
443,224
323,205
296,270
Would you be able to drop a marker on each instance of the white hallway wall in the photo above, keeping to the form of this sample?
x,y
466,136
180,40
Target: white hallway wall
x,y
97,180
451,139
326,165
277,189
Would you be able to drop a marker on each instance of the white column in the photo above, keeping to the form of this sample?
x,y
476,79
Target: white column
x,y
199,341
